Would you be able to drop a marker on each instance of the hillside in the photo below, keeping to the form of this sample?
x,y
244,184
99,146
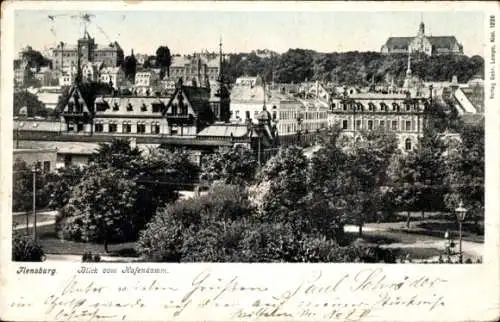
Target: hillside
x,y
298,65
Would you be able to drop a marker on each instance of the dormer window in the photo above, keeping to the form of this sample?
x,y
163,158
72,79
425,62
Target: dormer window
x,y
129,107
71,107
156,107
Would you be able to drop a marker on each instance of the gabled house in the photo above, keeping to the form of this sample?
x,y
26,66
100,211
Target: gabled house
x,y
77,110
188,111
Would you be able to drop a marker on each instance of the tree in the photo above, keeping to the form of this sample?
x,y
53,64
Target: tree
x,y
403,178
117,154
285,201
61,183
102,207
463,170
30,101
129,66
236,165
34,58
164,59
22,187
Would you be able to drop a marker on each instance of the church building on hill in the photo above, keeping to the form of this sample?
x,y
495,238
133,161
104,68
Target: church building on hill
x,y
422,43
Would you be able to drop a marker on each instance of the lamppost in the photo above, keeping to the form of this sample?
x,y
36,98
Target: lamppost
x,y
34,170
461,212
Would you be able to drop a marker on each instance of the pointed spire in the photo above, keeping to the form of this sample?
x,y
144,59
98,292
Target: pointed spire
x,y
408,69
221,78
421,29
78,78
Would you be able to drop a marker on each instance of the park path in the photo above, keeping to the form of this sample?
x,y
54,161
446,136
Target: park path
x,y
468,247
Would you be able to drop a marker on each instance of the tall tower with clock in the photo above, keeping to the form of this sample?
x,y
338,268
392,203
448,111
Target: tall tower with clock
x,y
86,46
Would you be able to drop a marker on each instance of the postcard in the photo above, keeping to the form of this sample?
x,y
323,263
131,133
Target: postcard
x,y
237,161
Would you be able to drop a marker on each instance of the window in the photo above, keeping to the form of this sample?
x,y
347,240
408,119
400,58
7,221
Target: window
x,y
141,128
99,128
155,128
358,124
113,128
71,107
344,107
344,124
127,128
116,107
407,106
371,107
79,127
394,125
67,160
408,144
382,124
408,126
129,107
370,125
46,166
156,107
144,108
39,165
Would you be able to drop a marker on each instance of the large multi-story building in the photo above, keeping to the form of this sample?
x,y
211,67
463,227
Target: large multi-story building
x,y
290,117
65,55
422,43
402,114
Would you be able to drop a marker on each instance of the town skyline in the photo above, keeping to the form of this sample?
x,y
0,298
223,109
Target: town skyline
x,y
211,26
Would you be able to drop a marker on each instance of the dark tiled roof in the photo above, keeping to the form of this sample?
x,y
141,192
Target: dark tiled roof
x,y
399,42
443,41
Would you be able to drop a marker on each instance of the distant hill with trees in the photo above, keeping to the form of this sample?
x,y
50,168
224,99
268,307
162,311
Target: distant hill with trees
x,y
298,65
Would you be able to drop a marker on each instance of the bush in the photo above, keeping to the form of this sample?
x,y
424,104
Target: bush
x,y
26,249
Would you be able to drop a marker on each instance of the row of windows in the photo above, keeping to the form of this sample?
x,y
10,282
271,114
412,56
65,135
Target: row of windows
x,y
127,128
406,125
156,107
383,107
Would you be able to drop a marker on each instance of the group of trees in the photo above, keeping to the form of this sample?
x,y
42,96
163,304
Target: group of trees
x,y
293,208
26,103
352,68
162,60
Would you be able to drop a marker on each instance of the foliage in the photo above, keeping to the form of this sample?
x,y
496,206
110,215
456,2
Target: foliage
x,y
129,66
235,165
35,59
352,68
26,249
61,183
463,170
102,207
121,190
117,154
285,200
163,60
31,102
22,187
183,229
347,177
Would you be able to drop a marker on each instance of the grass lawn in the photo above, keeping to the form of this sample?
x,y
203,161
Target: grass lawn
x,y
53,245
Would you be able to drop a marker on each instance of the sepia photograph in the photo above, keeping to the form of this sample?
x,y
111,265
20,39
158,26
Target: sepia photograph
x,y
248,137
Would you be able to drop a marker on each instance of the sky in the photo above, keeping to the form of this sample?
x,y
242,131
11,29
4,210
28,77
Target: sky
x,y
185,32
